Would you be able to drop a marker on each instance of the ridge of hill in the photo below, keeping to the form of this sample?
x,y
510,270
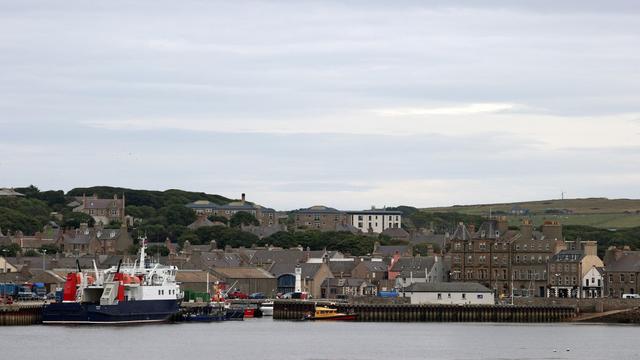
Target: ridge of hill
x,y
596,212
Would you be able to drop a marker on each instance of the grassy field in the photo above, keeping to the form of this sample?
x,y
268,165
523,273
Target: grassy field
x,y
598,212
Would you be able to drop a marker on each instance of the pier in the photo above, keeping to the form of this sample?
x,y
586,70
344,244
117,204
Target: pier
x,y
29,313
295,310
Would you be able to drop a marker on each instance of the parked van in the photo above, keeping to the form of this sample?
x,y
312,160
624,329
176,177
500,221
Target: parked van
x,y
631,296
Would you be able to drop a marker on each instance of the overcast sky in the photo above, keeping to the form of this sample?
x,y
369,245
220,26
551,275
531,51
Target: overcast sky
x,y
300,103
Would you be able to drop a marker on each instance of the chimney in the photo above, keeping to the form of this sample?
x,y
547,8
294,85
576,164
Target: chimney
x,y
590,248
552,230
430,251
503,224
243,198
526,229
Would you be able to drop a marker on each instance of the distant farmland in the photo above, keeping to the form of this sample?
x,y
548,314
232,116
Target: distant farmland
x,y
598,212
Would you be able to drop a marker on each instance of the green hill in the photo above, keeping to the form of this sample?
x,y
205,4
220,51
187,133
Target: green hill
x,y
596,212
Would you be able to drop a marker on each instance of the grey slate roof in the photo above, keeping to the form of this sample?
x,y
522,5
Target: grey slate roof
x,y
308,269
318,209
445,287
416,263
277,256
628,262
461,233
345,282
568,256
374,212
344,267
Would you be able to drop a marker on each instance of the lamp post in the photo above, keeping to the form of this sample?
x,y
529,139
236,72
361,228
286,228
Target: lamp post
x,y
44,253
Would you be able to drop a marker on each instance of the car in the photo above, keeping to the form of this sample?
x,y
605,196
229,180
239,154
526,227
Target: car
x,y
257,295
631,296
237,295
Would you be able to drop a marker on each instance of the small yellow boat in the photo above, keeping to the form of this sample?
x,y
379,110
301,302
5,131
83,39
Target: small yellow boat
x,y
327,313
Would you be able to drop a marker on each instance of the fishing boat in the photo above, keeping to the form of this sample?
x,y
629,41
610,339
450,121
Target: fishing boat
x,y
142,292
327,313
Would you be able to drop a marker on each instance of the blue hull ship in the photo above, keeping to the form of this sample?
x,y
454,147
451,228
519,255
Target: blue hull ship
x,y
141,292
121,313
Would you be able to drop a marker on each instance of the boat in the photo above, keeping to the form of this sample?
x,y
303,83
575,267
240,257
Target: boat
x,y
142,292
213,311
327,313
267,308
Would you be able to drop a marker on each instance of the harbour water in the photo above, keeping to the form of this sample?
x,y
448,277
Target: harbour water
x,y
284,340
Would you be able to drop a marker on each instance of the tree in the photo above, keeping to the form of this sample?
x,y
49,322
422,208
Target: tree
x,y
50,249
216,218
11,250
243,218
31,253
178,214
158,249
74,219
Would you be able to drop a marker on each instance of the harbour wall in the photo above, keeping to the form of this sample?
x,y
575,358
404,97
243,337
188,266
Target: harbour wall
x,y
295,310
21,314
582,305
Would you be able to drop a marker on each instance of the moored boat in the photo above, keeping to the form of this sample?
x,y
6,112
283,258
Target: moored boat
x,y
327,313
139,293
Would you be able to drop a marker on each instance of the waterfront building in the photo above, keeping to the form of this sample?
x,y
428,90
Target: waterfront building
x,y
419,269
621,272
568,268
248,279
312,277
593,283
347,287
462,293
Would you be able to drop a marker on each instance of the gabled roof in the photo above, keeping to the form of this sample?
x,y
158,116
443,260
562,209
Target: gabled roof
x,y
374,266
265,256
461,233
308,269
628,262
415,263
568,256
390,250
201,221
344,267
243,273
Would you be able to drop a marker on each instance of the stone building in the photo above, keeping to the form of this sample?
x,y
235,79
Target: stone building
x,y
512,262
265,216
568,267
103,211
321,218
621,272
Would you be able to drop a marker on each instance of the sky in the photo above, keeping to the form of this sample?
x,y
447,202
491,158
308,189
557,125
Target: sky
x,y
346,104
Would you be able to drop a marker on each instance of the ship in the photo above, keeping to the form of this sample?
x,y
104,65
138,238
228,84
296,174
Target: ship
x,y
327,313
142,292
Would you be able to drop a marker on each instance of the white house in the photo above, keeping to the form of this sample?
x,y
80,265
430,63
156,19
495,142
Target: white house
x,y
456,293
593,283
375,221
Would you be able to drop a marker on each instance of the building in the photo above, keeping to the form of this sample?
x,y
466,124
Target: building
x,y
265,216
508,261
347,287
568,268
9,192
312,277
483,256
419,269
103,211
374,271
622,272
450,294
375,221
248,279
531,252
95,241
593,283
321,218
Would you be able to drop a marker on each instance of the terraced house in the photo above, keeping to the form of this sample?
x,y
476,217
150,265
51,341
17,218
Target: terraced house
x,y
103,211
321,218
622,268
507,261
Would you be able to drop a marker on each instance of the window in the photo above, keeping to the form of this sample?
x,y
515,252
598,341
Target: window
x,y
448,296
464,296
439,296
621,277
480,296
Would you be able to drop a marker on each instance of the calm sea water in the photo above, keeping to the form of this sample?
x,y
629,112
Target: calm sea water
x,y
268,339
